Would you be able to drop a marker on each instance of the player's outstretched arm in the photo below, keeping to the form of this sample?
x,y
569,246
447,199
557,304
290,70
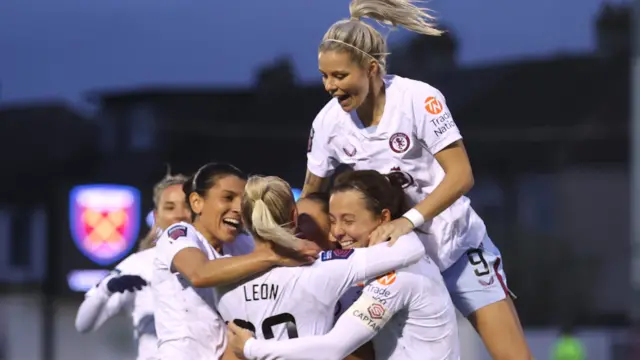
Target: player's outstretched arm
x,y
359,324
321,158
202,272
101,303
181,252
458,180
378,260
339,270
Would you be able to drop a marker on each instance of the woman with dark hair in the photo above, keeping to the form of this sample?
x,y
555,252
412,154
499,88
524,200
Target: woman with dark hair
x,y
193,258
407,313
313,220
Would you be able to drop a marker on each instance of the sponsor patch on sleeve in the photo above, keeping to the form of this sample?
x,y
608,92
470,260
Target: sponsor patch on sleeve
x,y
177,232
338,254
370,312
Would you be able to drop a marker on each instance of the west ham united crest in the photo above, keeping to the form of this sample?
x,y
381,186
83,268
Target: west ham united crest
x,y
104,221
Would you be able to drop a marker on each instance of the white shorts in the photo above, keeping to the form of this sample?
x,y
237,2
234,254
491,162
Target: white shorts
x,y
477,279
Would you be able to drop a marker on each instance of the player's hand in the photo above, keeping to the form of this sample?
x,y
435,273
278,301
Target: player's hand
x,y
306,253
390,231
124,283
309,249
236,338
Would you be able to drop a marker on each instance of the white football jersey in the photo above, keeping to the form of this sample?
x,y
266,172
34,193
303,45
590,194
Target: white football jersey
x,y
416,125
291,302
408,314
187,323
139,304
421,317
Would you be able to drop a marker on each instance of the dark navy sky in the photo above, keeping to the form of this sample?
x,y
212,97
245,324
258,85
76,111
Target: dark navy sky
x,y
64,47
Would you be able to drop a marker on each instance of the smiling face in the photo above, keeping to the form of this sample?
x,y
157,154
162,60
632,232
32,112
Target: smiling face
x,y
345,79
171,207
351,220
219,209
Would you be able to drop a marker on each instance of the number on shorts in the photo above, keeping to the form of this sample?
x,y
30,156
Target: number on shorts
x,y
267,325
476,259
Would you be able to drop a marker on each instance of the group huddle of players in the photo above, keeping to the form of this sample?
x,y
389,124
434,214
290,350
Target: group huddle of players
x,y
373,267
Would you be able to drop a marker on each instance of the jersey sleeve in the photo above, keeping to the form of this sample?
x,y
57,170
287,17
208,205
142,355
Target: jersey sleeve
x,y
359,324
321,159
99,306
338,270
435,128
176,238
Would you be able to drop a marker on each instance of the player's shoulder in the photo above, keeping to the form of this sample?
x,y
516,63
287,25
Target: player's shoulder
x,y
413,239
143,262
138,263
410,86
128,264
416,269
175,238
419,93
177,231
392,283
328,263
411,276
405,276
145,256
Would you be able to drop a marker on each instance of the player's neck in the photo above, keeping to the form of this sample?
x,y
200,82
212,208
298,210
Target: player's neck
x,y
215,243
260,244
370,112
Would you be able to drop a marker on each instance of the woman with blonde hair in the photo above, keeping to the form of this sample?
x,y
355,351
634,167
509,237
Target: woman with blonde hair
x,y
125,288
192,259
297,302
406,314
390,123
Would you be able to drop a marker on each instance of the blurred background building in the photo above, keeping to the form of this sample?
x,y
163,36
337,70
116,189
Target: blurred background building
x,y
548,138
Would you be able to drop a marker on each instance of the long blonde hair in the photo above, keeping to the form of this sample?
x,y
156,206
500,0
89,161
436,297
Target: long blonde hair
x,y
268,208
365,43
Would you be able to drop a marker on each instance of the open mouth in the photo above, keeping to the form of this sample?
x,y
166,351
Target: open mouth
x,y
232,224
347,244
343,99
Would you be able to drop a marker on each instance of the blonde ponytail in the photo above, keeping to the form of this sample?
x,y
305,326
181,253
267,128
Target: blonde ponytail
x,y
267,210
362,41
397,13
